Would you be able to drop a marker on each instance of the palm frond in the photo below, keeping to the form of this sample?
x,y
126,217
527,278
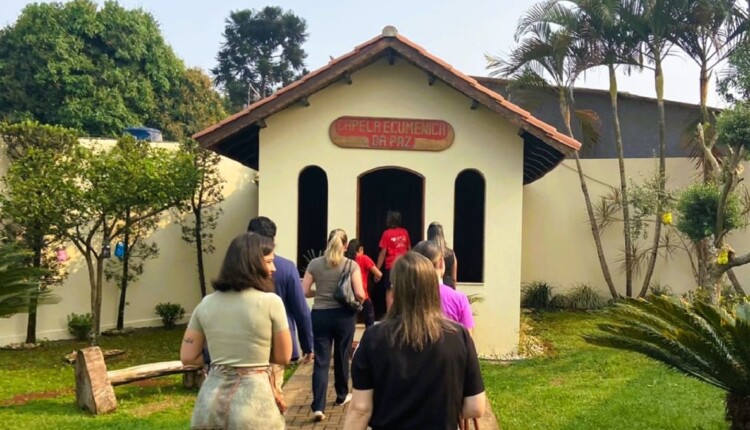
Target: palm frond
x,y
19,283
606,207
529,89
545,16
590,124
700,340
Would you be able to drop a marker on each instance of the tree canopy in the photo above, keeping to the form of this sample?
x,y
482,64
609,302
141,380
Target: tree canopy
x,y
97,70
131,176
261,50
203,204
34,188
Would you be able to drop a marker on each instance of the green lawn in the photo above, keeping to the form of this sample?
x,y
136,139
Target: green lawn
x,y
588,387
37,387
581,387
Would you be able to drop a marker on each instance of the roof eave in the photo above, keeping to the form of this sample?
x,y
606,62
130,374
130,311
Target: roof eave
x,y
363,55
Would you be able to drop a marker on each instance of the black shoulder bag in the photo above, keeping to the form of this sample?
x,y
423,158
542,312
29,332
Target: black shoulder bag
x,y
344,293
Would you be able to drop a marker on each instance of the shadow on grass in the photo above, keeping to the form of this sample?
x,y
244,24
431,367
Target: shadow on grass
x,y
164,406
587,387
654,398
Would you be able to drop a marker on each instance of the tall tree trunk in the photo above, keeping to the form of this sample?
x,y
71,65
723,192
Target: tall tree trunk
x,y
704,261
738,411
33,302
659,84
199,251
92,283
704,80
96,310
124,280
626,230
735,283
565,112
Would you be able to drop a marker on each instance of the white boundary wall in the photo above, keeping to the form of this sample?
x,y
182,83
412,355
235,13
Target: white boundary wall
x,y
557,244
172,277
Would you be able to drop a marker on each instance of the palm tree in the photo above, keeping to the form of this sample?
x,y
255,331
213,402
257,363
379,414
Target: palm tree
x,y
599,24
550,50
19,283
653,23
700,340
709,34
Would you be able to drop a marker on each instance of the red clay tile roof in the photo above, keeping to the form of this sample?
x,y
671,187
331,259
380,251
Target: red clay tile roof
x,y
366,53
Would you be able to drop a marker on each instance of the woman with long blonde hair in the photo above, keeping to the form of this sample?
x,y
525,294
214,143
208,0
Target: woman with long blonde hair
x,y
415,369
332,323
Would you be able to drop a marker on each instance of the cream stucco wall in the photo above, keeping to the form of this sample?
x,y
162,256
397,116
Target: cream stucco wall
x,y
298,137
172,277
557,242
546,221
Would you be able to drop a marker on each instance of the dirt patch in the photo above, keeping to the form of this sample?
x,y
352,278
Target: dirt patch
x,y
152,408
557,382
20,346
22,399
154,382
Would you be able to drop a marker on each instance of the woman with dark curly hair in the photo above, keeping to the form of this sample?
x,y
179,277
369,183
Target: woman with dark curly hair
x,y
243,323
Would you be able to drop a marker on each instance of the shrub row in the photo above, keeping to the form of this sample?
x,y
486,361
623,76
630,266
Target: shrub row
x,y
539,295
79,325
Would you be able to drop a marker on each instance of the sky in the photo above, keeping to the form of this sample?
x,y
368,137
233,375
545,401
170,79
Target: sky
x,y
461,33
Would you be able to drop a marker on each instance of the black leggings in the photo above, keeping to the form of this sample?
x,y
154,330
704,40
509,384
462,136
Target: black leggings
x,y
377,294
368,313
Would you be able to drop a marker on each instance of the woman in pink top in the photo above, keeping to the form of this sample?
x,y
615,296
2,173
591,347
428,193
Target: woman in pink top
x,y
455,303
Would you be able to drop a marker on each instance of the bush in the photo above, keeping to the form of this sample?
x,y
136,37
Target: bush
x,y
559,301
698,294
582,298
80,325
697,208
729,297
657,289
170,313
733,126
536,295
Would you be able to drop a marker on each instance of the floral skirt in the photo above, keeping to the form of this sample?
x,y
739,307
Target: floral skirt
x,y
234,398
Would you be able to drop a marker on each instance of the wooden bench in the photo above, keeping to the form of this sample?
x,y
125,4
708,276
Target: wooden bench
x,y
94,384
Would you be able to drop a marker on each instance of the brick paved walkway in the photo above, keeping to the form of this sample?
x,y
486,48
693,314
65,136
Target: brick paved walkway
x,y
298,396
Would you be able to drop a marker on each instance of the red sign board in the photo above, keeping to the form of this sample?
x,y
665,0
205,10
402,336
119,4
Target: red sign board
x,y
391,133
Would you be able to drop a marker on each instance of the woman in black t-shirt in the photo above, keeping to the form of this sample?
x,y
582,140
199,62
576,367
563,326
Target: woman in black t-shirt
x,y
415,369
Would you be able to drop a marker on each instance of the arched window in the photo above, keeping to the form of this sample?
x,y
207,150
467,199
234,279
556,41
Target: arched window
x,y
468,225
312,214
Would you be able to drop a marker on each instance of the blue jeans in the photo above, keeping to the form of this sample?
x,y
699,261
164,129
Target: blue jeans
x,y
331,327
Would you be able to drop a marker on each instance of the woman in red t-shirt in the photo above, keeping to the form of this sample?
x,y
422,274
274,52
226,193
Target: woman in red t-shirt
x,y
356,252
394,243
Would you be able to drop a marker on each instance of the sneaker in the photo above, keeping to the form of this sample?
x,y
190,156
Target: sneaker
x,y
318,416
346,400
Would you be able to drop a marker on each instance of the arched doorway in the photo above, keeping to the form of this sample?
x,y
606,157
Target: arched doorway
x,y
384,189
312,215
